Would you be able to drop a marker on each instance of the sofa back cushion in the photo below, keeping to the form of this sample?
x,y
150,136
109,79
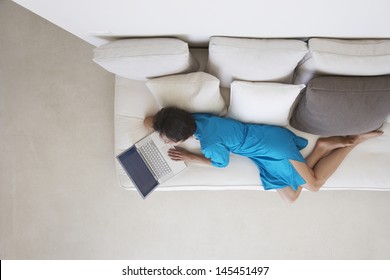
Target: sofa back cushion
x,y
142,59
337,105
254,59
344,57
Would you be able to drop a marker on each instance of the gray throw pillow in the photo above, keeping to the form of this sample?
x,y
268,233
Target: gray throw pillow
x,y
341,105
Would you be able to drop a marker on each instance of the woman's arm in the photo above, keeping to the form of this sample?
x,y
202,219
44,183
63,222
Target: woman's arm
x,y
178,154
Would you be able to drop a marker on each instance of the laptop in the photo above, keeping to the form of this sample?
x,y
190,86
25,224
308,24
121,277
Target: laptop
x,y
148,165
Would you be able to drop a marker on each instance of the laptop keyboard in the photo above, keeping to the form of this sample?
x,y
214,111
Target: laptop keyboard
x,y
155,159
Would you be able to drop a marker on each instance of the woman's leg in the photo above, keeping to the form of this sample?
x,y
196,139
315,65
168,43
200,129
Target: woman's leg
x,y
327,156
324,146
288,194
317,176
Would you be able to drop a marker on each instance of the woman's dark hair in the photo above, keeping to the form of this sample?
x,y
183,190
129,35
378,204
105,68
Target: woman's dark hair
x,y
176,124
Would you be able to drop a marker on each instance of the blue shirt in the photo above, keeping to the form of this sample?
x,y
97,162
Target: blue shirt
x,y
270,147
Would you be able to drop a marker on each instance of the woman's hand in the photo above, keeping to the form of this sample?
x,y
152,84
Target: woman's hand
x,y
180,154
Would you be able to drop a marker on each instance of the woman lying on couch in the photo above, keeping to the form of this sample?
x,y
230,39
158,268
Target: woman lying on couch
x,y
275,150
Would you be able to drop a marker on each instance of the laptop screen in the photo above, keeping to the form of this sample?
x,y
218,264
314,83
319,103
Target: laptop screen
x,y
138,171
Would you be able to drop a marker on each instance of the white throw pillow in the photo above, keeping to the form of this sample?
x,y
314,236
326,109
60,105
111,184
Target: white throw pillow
x,y
141,59
254,59
194,92
264,103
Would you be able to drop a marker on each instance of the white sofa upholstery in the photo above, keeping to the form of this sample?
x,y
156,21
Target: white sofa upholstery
x,y
344,57
366,168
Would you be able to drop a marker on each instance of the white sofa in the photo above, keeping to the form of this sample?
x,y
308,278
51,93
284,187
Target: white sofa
x,y
292,62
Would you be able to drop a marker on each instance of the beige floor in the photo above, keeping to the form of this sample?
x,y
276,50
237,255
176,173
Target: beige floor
x,y
58,193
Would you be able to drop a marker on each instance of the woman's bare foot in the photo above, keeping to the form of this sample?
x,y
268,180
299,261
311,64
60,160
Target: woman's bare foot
x,y
335,142
357,139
